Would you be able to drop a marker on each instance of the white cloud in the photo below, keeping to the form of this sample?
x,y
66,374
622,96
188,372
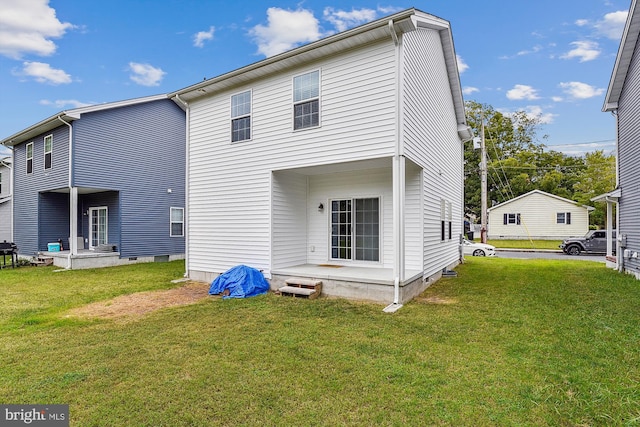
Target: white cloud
x,y
343,20
468,90
202,36
285,30
62,104
582,22
584,50
145,74
522,92
535,49
557,98
43,73
537,112
27,26
612,25
580,90
462,66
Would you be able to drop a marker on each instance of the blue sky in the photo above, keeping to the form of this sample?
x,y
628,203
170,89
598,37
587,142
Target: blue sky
x,y
552,59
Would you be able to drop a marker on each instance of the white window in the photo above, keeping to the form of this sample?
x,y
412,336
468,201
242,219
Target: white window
x,y
177,222
30,157
306,100
563,218
48,148
241,116
511,219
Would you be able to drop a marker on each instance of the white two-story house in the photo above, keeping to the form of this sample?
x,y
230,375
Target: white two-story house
x,y
340,161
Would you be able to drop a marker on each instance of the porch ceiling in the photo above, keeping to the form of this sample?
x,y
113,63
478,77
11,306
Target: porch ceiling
x,y
81,190
383,162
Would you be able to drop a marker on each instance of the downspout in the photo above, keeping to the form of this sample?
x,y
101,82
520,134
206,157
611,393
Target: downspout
x,y
619,252
398,172
73,202
186,187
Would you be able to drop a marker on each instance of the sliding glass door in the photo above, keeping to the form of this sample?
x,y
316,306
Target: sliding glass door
x,y
355,229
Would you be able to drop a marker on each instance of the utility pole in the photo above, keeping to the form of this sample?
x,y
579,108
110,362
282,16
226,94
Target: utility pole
x,y
483,186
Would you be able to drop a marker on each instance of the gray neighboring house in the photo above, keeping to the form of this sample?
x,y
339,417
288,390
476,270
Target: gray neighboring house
x,y
622,100
5,199
106,181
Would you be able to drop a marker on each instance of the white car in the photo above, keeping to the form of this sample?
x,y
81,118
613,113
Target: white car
x,y
477,249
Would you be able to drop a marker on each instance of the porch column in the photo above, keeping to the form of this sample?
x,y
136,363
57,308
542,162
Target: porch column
x,y
73,220
399,181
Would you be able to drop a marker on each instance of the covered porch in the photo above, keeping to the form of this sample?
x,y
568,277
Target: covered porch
x,y
356,283
81,219
355,226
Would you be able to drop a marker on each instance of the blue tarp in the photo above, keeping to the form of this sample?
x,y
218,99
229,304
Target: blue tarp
x,y
241,281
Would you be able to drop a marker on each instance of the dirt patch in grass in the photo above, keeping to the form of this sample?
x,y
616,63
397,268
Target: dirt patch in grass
x,y
141,303
436,300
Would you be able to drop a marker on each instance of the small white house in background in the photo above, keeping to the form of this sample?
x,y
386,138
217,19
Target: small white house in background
x,y
538,215
339,161
6,192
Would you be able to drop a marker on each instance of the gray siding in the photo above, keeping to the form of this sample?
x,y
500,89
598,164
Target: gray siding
x,y
27,188
138,151
629,160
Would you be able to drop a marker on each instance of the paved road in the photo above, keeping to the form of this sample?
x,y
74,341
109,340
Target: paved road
x,y
502,253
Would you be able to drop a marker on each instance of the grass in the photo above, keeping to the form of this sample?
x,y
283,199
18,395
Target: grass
x,y
524,244
507,342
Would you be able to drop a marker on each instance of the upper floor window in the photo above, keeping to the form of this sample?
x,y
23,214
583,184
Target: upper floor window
x,y
241,116
306,100
511,219
177,222
48,148
563,218
30,157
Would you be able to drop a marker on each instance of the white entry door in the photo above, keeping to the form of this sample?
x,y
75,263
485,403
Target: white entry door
x,y
98,226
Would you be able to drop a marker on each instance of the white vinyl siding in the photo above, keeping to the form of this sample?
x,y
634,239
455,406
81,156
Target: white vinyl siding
x,y
431,141
535,215
229,222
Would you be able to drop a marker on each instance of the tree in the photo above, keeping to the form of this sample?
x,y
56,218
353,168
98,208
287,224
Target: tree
x,y
597,177
518,163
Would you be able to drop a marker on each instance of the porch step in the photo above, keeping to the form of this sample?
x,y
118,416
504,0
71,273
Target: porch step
x,y
41,261
301,288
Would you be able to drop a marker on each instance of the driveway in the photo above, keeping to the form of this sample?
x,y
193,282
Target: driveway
x,y
528,254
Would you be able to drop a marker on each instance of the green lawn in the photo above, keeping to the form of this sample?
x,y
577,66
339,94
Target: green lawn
x,y
507,342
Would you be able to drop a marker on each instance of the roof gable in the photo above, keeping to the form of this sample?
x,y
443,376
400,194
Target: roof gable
x,y
543,193
68,116
623,59
387,27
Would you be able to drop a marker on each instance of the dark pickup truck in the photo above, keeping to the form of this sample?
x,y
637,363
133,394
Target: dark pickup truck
x,y
595,241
